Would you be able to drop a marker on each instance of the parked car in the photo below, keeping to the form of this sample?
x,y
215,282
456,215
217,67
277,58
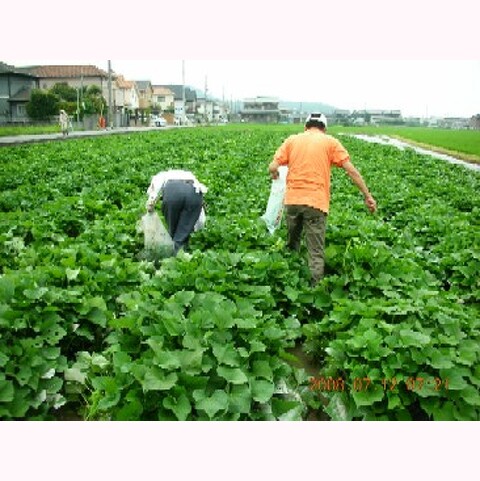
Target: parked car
x,y
159,121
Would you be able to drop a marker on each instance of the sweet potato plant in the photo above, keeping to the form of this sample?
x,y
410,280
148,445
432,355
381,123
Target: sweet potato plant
x,y
90,330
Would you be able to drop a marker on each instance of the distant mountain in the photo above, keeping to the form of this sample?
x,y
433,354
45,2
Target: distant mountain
x,y
307,106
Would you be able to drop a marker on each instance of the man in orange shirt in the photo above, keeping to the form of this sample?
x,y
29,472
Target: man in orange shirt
x,y
310,156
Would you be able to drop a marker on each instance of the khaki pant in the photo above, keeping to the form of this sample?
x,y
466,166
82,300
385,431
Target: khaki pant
x,y
314,221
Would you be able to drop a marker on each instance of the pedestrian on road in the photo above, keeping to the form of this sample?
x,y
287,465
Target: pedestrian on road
x,y
310,156
182,203
64,122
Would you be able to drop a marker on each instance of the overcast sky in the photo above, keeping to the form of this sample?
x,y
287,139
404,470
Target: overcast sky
x,y
419,56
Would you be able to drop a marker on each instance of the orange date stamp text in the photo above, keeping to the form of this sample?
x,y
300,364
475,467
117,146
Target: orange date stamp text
x,y
359,384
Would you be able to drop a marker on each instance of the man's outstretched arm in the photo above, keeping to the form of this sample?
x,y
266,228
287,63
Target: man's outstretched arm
x,y
357,179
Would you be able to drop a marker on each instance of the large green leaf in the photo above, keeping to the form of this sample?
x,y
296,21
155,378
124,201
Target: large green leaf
x,y
412,338
262,369
240,399
191,361
257,346
3,359
184,297
131,411
75,374
286,410
233,375
226,354
7,289
156,380
97,316
180,405
367,397
6,391
470,395
440,361
262,391
167,360
217,402
443,411
453,379
468,351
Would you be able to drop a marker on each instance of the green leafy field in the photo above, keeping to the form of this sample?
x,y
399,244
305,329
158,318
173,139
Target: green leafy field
x,y
7,131
461,141
88,330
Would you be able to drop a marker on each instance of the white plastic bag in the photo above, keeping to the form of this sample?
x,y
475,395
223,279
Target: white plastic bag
x,y
202,219
274,212
157,241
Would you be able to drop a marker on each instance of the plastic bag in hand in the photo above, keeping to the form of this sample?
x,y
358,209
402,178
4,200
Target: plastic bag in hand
x,y
157,241
274,211
202,219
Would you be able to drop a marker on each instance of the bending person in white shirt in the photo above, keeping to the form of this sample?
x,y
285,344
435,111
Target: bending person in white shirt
x,y
182,201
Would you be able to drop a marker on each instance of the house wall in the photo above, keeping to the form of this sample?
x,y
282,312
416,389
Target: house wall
x,y
163,102
75,82
10,85
145,99
125,97
261,110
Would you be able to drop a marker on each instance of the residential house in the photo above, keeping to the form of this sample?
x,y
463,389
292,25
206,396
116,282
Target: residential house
x,y
207,110
76,76
15,89
455,123
339,117
126,95
162,99
260,110
376,117
145,92
190,107
286,116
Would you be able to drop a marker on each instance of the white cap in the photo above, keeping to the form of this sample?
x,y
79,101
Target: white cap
x,y
317,117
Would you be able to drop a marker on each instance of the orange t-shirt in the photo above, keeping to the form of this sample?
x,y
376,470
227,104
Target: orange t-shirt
x,y
309,157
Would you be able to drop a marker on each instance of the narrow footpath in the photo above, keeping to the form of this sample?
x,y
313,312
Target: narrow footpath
x,y
28,139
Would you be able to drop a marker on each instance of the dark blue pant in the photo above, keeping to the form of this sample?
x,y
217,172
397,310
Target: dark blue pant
x,y
181,207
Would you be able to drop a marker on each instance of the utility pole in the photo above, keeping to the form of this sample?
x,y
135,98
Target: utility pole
x,y
223,109
206,89
78,106
110,115
184,108
81,88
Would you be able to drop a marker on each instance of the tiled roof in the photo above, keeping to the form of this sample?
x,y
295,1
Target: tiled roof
x,y
10,69
143,84
64,71
4,68
124,84
159,90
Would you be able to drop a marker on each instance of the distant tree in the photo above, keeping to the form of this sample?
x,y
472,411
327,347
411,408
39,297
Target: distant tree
x,y
42,105
64,92
94,102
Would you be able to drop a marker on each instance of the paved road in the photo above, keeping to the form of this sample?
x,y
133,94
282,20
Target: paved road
x,y
27,139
